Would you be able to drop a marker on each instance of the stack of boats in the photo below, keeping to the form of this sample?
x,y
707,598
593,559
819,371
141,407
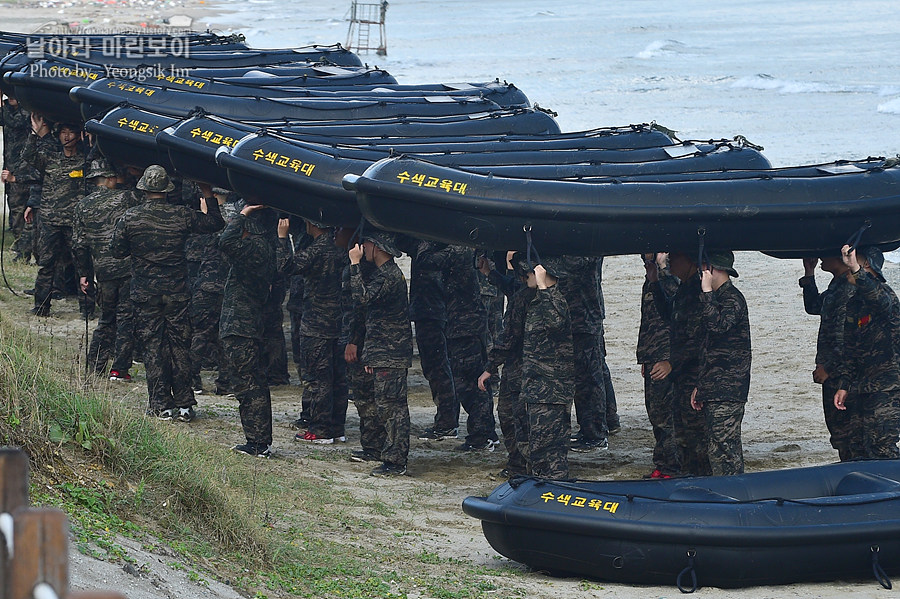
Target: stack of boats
x,y
314,132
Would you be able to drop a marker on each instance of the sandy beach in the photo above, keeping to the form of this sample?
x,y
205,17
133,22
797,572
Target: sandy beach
x,y
104,16
783,425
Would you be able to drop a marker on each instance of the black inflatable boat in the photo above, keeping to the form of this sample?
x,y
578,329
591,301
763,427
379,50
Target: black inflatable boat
x,y
101,95
775,212
305,179
839,521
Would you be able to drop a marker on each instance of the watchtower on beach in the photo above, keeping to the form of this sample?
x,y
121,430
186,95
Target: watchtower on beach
x,y
364,16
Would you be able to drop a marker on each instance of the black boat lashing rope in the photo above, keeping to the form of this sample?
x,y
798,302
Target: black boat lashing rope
x,y
689,569
853,242
529,247
702,257
878,571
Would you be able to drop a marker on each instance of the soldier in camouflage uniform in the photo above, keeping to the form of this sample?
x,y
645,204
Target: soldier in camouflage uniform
x,y
352,339
17,175
508,352
153,234
548,374
387,353
326,390
63,186
724,381
428,309
869,374
831,305
248,243
95,222
466,343
684,314
207,290
652,351
580,288
300,240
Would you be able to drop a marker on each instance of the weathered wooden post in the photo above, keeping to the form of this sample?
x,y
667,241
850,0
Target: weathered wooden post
x,y
13,496
40,553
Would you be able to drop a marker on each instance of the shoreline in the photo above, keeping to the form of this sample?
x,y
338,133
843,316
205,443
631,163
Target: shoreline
x,y
108,16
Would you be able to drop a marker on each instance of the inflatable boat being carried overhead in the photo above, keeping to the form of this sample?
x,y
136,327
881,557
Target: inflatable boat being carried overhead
x,y
839,521
138,137
775,212
305,179
101,95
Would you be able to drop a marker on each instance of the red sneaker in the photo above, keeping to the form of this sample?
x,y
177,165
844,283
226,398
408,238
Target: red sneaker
x,y
311,438
115,375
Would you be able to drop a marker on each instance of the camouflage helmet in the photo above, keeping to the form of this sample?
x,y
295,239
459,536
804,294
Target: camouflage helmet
x,y
100,168
875,257
383,240
155,180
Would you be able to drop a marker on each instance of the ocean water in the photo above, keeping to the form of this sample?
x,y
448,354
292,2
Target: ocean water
x,y
810,80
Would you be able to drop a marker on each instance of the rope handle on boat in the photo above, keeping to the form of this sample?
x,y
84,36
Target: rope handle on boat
x,y
880,575
853,242
529,247
689,569
702,256
743,142
357,233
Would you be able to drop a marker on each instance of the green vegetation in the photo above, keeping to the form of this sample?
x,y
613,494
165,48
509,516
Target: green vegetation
x,y
120,474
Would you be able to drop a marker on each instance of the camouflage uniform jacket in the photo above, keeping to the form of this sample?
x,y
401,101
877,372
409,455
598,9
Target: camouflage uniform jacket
x,y
580,287
353,314
831,305
16,130
153,234
388,342
654,333
507,350
871,332
466,314
725,353
63,178
426,286
684,314
252,260
95,222
321,264
548,353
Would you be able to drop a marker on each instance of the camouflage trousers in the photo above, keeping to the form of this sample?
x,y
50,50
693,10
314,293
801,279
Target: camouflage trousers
x,y
612,409
296,351
723,422
54,250
590,387
513,419
206,348
467,360
113,337
878,417
326,388
162,326
549,429
843,425
274,345
435,362
391,401
23,232
250,387
658,400
689,428
371,429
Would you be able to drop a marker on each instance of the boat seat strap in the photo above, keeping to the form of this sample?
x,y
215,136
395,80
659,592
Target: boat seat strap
x,y
880,575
